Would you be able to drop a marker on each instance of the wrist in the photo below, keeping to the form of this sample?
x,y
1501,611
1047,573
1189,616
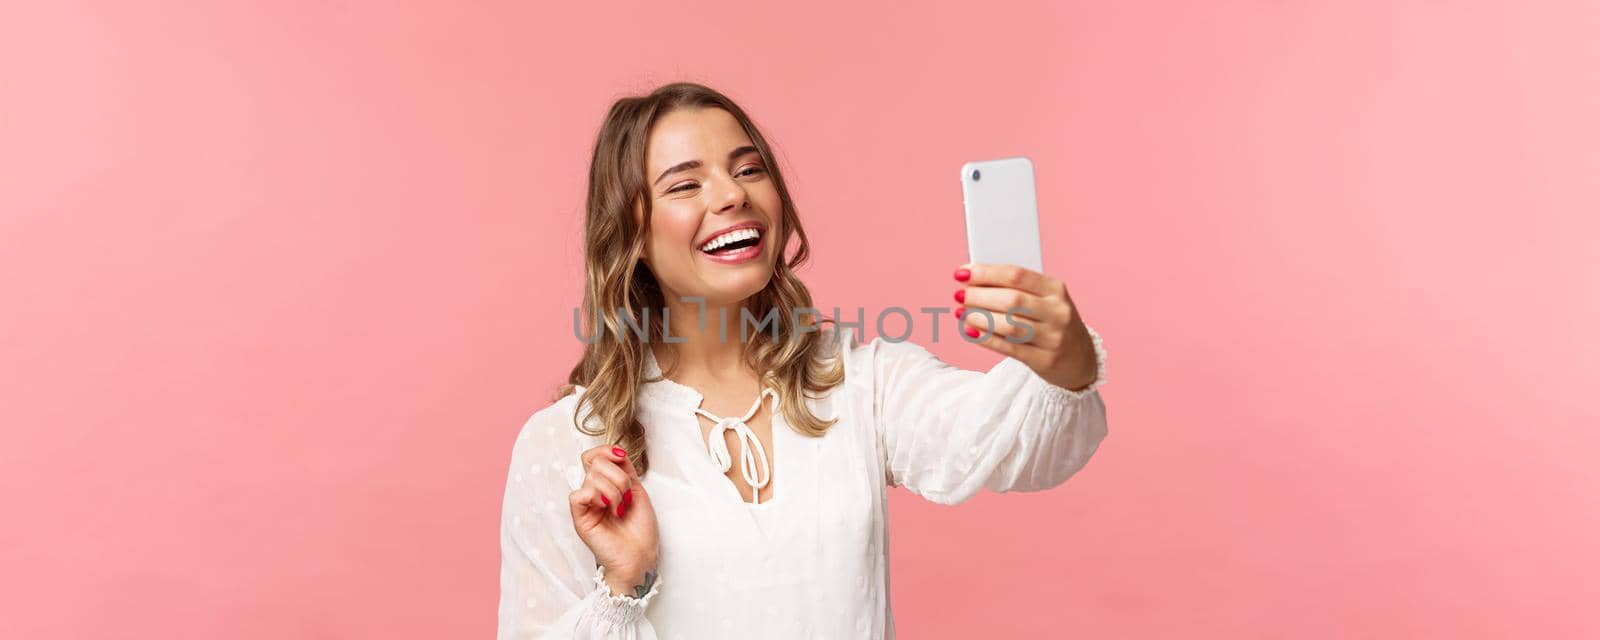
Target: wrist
x,y
1088,369
629,581
1084,378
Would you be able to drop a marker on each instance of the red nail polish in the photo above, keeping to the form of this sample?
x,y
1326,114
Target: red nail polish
x,y
963,275
605,501
961,296
621,509
627,498
959,310
972,332
618,452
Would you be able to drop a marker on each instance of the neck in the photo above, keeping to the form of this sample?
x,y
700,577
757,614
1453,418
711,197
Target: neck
x,y
703,346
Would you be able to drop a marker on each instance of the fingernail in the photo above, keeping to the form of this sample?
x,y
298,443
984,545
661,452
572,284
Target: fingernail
x,y
618,452
627,498
961,296
620,509
972,332
959,310
605,501
963,275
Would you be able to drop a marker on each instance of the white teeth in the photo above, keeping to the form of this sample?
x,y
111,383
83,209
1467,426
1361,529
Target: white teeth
x,y
731,236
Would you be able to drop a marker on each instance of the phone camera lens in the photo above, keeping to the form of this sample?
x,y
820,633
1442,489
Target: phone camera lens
x,y
976,175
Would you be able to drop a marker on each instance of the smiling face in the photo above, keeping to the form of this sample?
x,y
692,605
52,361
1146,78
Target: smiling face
x,y
716,215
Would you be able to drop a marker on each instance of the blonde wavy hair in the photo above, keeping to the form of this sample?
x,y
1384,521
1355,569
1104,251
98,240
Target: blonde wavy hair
x,y
612,367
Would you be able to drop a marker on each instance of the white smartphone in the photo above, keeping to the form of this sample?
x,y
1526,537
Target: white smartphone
x,y
1002,212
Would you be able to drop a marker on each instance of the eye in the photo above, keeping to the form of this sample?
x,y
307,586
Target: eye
x,y
747,171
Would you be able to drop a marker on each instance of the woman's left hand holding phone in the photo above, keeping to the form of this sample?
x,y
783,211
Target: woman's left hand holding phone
x,y
1043,328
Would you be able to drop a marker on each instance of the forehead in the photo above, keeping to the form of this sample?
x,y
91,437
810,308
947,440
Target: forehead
x,y
704,134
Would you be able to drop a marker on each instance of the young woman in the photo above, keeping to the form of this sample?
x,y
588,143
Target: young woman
x,y
717,465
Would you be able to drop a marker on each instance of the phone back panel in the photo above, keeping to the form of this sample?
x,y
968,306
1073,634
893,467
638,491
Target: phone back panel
x,y
1002,212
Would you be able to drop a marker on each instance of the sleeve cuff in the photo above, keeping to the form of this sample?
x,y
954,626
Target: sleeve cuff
x,y
1068,395
618,610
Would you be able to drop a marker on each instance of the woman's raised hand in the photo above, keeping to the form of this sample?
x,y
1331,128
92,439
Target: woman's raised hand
x,y
613,516
1043,329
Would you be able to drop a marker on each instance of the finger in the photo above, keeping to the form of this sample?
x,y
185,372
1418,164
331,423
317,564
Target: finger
x,y
635,486
612,473
626,464
1018,302
611,495
1026,352
1014,277
584,500
977,320
604,451
616,456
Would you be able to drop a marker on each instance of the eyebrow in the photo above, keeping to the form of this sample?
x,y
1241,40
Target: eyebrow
x,y
695,164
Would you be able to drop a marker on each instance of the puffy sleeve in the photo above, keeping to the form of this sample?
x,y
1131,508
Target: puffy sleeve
x,y
550,586
948,432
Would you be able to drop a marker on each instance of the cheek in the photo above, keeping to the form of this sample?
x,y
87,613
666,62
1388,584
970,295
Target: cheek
x,y
672,230
769,201
766,197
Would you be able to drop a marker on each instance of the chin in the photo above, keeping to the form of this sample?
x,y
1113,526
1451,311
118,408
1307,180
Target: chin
x,y
732,288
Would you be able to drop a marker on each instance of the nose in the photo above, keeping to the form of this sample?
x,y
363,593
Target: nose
x,y
731,198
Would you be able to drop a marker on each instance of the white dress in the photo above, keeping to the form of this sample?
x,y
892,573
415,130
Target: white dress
x,y
811,561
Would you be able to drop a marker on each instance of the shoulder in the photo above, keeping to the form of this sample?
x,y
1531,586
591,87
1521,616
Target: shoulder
x,y
553,428
551,415
838,343
549,443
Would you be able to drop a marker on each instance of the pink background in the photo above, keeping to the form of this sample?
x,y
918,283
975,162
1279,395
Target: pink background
x,y
283,279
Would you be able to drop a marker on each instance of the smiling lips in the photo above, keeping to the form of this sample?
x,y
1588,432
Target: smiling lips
x,y
736,244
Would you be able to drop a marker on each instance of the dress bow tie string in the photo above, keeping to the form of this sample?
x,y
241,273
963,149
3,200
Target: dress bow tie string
x,y
753,458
